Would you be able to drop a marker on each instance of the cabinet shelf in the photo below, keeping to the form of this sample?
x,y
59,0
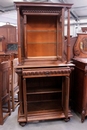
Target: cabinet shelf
x,y
42,31
41,43
43,91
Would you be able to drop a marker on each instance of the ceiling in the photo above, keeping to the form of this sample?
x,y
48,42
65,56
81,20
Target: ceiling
x,y
8,12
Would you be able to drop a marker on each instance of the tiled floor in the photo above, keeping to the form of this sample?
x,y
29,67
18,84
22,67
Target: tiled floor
x,y
74,124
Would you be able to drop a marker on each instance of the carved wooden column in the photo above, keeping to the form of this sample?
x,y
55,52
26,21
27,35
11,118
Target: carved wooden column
x,y
63,10
25,46
67,80
68,34
84,104
19,35
19,72
65,95
24,97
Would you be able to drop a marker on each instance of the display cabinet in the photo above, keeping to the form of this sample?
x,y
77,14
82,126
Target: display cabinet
x,y
80,76
43,70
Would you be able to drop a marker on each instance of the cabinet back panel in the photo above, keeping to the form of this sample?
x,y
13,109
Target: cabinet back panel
x,y
41,35
44,97
44,83
41,49
41,22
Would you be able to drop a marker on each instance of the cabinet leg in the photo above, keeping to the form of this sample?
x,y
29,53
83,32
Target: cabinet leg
x,y
67,119
83,116
22,124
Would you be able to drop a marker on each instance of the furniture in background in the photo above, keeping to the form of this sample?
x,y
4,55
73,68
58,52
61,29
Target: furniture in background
x,y
14,87
2,45
72,43
79,94
9,33
84,29
8,51
43,70
4,91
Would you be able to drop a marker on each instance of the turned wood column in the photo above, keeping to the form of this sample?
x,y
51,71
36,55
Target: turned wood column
x,y
84,105
67,83
25,46
24,97
68,39
19,35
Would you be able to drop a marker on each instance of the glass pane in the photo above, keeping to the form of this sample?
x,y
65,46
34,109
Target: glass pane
x,y
12,47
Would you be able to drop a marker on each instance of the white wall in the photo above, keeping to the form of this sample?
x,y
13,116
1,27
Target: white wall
x,y
75,26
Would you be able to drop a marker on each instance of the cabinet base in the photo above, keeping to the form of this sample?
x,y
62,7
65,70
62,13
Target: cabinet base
x,y
43,115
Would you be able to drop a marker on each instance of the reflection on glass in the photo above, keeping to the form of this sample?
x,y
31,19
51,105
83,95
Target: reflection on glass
x,y
12,47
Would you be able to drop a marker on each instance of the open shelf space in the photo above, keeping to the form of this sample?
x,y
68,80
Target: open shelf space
x,y
43,105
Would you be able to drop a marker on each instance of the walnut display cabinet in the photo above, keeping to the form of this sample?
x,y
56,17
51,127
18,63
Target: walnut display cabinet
x,y
43,70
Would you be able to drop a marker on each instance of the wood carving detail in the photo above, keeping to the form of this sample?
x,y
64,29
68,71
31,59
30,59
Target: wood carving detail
x,y
49,72
40,11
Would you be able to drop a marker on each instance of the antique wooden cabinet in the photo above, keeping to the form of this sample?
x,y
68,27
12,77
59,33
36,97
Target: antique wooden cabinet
x,y
4,91
84,29
80,75
9,32
43,70
8,51
14,88
2,45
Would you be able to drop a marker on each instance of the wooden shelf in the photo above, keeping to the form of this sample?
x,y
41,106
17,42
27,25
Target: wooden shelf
x,y
43,91
41,43
42,31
